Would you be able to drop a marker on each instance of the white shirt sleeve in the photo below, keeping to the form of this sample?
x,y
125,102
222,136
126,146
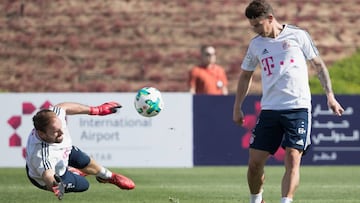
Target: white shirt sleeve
x,y
307,45
61,114
250,61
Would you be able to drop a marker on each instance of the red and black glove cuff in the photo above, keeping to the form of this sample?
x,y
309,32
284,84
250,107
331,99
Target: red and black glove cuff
x,y
105,109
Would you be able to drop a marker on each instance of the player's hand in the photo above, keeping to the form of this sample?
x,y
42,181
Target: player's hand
x,y
335,107
238,116
105,109
58,188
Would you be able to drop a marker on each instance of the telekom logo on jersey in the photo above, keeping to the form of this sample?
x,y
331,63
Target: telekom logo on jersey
x,y
268,64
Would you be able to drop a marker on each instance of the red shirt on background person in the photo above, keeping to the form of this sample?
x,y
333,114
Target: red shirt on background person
x,y
208,78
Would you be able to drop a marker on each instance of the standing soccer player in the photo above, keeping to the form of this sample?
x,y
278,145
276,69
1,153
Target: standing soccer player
x,y
54,164
285,119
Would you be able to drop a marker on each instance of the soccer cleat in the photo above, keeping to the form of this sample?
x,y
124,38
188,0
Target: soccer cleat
x,y
262,201
77,171
118,180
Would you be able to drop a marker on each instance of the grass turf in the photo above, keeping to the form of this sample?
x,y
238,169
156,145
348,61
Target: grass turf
x,y
322,184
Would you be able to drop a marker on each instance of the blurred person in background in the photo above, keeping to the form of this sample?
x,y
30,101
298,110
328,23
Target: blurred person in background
x,y
282,52
54,164
208,77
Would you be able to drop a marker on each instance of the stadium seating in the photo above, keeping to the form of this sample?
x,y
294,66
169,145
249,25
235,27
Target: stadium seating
x,y
96,46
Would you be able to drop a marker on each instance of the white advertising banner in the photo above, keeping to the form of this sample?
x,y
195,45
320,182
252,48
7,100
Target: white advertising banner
x,y
124,139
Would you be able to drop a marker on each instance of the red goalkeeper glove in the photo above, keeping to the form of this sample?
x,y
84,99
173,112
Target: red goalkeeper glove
x,y
105,109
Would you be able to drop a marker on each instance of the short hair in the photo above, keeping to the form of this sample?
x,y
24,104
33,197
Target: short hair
x,y
42,119
258,8
203,47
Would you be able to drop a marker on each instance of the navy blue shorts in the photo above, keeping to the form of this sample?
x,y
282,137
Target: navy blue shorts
x,y
285,128
73,182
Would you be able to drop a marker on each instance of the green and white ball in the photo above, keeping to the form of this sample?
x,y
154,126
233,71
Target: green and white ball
x,y
148,102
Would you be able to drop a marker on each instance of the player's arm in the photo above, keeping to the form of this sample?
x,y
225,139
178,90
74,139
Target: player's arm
x,y
192,82
243,86
48,178
72,108
323,74
192,90
53,183
324,77
225,90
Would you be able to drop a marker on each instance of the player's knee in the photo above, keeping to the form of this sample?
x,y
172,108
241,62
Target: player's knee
x,y
255,167
81,185
85,186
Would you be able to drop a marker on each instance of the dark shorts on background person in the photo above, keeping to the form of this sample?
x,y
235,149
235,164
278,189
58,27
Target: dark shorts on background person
x,y
285,128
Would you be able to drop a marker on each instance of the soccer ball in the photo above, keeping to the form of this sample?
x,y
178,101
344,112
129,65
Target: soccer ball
x,y
148,102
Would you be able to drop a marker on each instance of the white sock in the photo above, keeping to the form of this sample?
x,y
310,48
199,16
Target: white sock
x,y
257,198
286,200
104,173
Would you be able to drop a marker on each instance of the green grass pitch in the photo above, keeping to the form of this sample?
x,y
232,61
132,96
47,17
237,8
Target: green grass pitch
x,y
321,184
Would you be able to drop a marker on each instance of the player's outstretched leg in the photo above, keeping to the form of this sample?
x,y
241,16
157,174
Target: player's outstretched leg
x,y
88,166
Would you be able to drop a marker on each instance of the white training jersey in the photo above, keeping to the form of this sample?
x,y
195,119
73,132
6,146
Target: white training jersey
x,y
284,74
41,156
